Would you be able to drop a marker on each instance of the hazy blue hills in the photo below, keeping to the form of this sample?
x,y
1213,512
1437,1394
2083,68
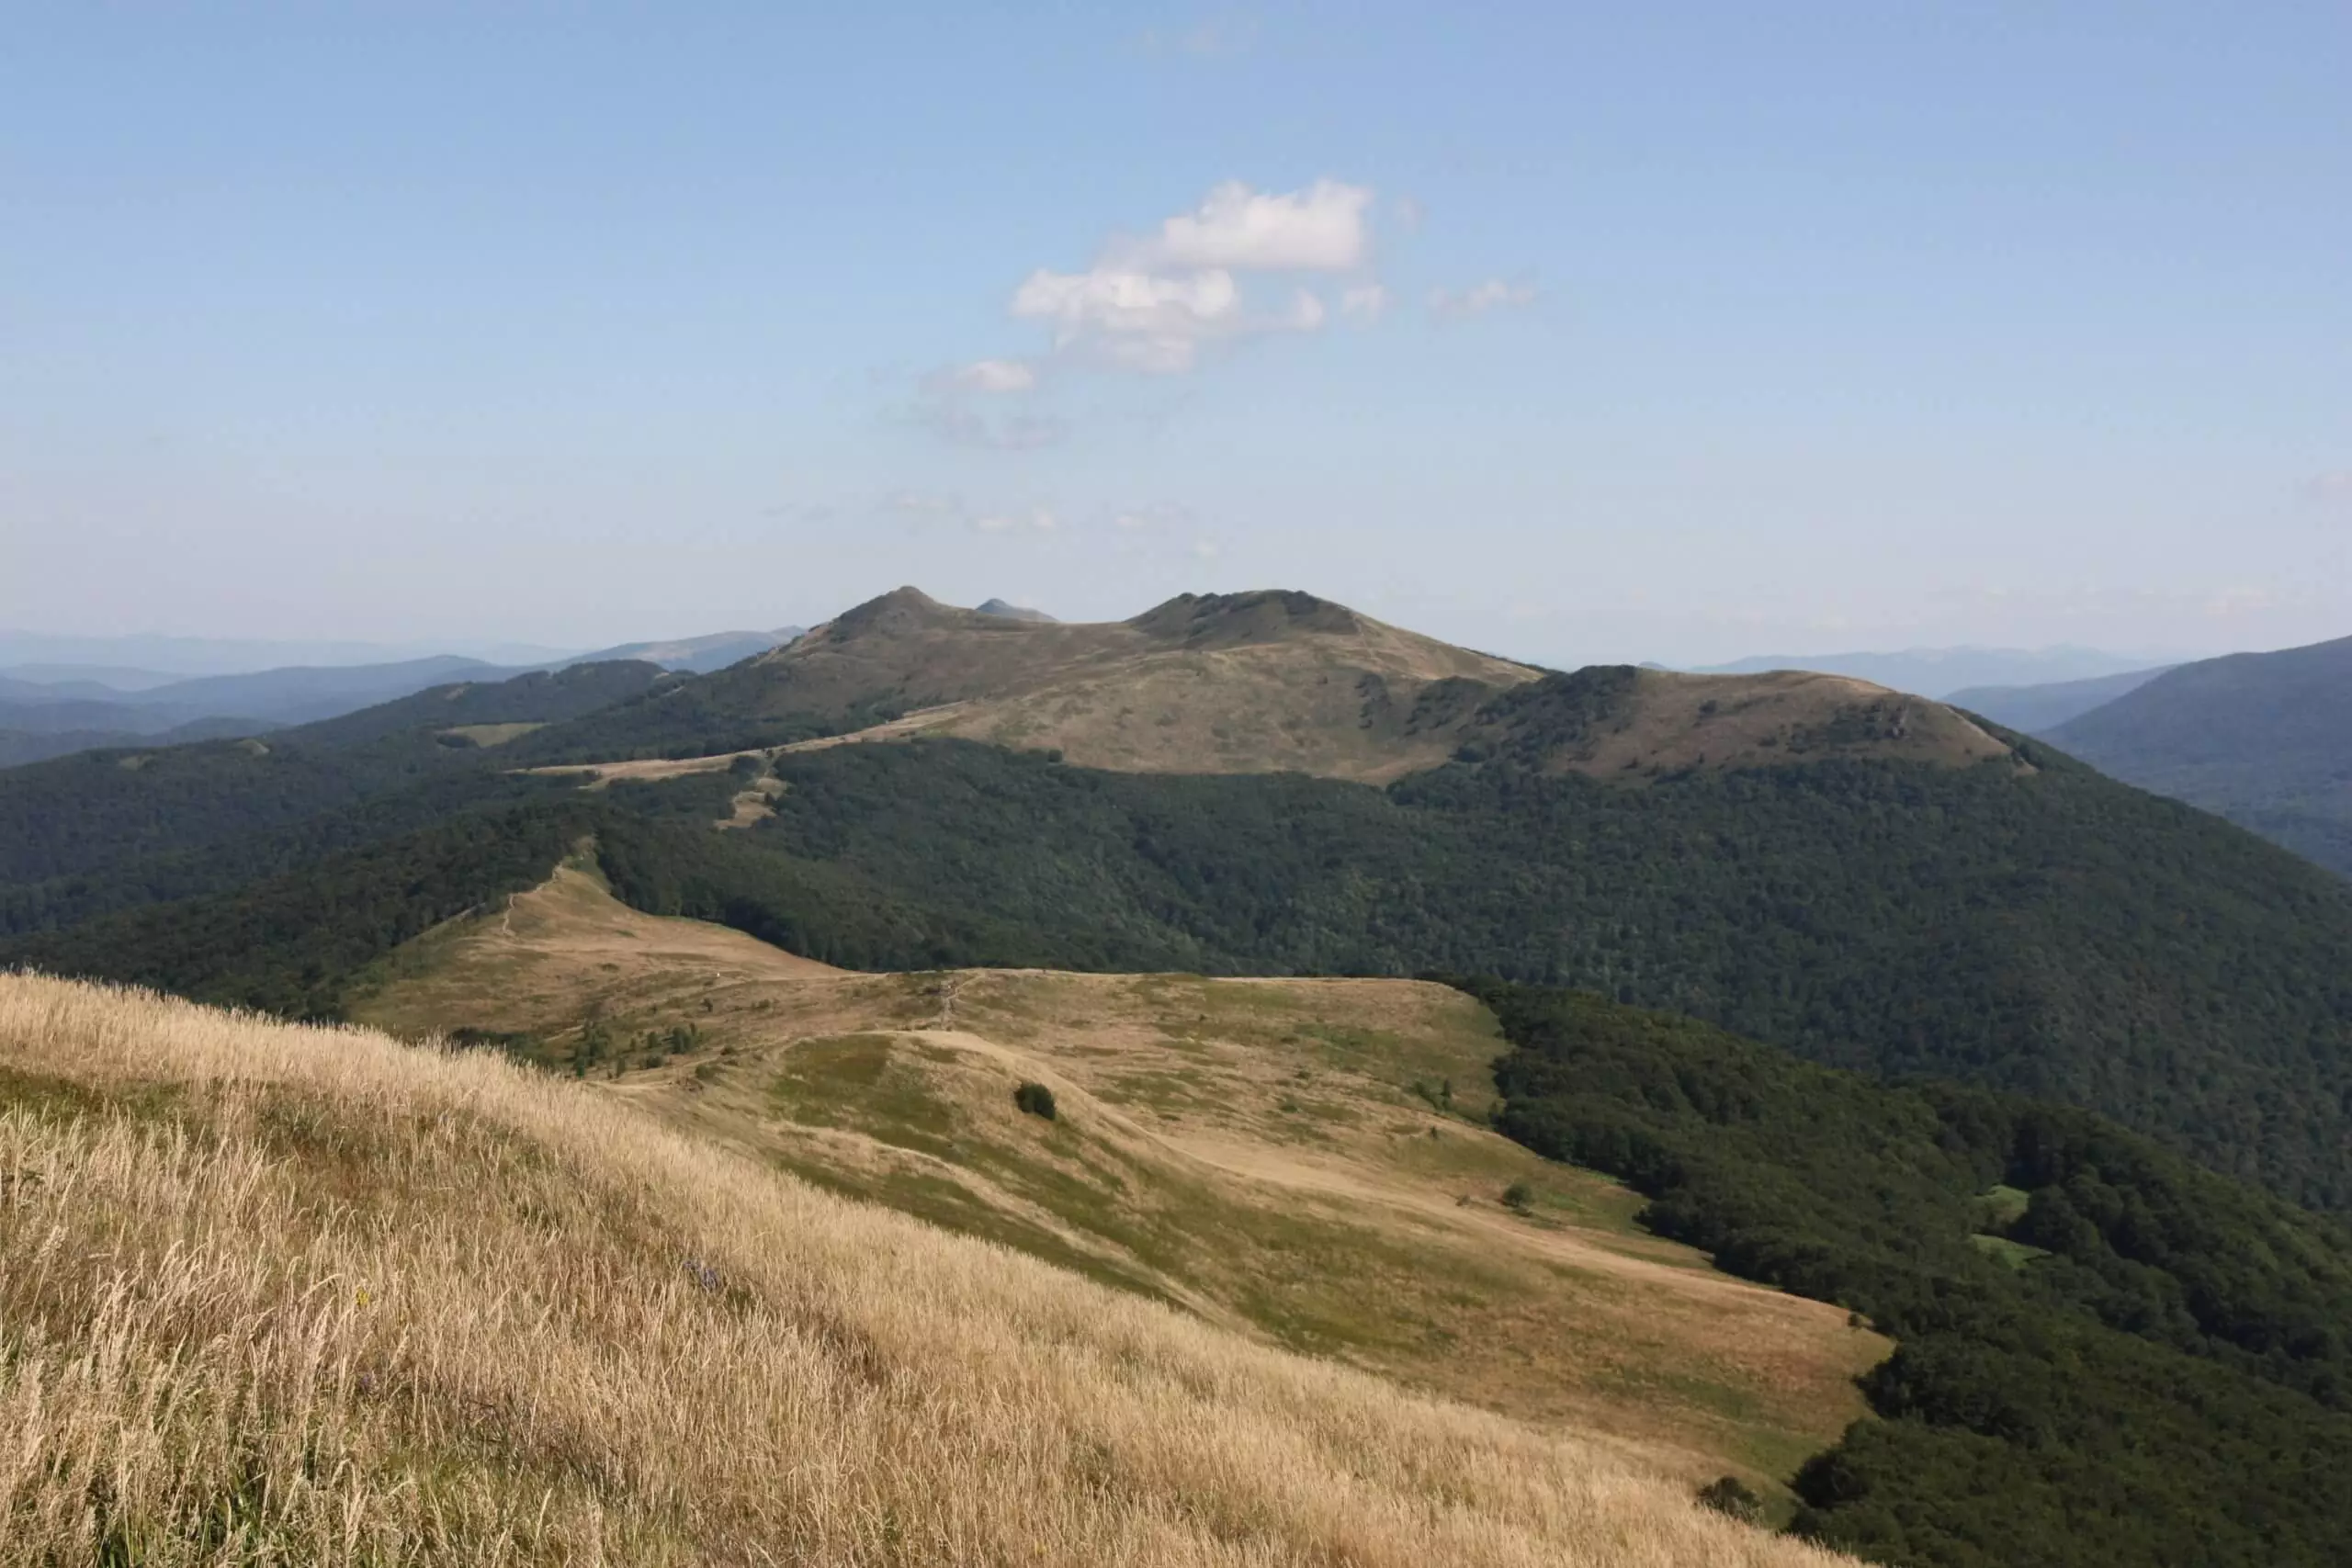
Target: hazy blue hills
x,y
52,710
22,745
1939,672
699,655
2262,739
2039,709
1010,612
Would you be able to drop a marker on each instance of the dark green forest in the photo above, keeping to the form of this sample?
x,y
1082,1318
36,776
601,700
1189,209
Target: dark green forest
x,y
2054,934
2106,1355
2051,934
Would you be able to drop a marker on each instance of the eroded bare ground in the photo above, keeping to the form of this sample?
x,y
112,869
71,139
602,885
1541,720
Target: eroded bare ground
x,y
1300,1158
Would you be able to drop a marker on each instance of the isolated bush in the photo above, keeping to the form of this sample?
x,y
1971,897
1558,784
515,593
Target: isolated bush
x,y
1519,1196
1729,1495
1036,1098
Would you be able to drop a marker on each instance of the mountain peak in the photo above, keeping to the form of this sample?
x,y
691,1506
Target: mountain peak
x,y
1261,615
1010,612
900,609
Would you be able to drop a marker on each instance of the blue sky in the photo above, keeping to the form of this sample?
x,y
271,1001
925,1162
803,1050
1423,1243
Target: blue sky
x,y
1672,332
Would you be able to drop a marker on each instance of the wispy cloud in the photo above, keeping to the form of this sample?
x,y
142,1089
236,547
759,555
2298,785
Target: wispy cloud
x,y
955,404
2333,489
1479,299
959,424
995,375
1036,519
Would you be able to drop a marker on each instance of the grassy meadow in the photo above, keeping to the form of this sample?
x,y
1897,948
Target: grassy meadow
x,y
277,1293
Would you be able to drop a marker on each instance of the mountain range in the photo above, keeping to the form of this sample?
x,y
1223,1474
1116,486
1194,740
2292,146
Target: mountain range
x,y
51,717
1860,996
2038,710
2262,739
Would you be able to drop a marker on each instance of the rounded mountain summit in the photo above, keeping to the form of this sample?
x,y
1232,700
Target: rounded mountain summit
x,y
1277,681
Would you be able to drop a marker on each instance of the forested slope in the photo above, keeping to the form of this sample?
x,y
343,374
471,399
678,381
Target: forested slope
x,y
2262,739
2052,933
2106,1356
2048,932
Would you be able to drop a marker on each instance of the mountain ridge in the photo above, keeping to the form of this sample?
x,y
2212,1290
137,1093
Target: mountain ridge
x,y
2262,739
1262,680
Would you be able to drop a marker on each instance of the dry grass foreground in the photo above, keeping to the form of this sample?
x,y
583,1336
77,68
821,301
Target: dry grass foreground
x,y
286,1294
1306,1161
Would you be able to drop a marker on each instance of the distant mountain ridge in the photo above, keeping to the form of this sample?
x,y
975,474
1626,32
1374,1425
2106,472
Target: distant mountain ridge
x,y
2039,709
1938,672
78,711
2262,739
701,655
1268,681
1011,611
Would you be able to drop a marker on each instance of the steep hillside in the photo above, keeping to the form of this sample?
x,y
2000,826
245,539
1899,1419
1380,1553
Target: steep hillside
x,y
2036,710
2262,739
1302,1160
313,1296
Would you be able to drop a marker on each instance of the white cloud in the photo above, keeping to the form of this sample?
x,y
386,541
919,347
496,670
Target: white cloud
x,y
1135,320
955,421
1154,304
1321,228
992,376
1456,305
1367,301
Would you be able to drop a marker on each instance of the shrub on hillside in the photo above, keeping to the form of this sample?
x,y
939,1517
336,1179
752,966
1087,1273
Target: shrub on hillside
x,y
1729,1495
1036,1098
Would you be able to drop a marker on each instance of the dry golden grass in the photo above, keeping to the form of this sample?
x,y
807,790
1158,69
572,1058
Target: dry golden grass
x,y
283,1294
1255,1150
